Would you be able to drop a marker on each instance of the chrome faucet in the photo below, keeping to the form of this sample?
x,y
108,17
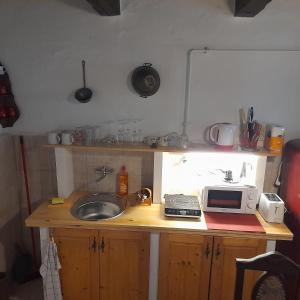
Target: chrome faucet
x,y
103,171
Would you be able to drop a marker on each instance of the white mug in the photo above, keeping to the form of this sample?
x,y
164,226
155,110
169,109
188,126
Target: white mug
x,y
67,138
54,138
223,135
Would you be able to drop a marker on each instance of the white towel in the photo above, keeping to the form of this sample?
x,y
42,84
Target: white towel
x,y
50,273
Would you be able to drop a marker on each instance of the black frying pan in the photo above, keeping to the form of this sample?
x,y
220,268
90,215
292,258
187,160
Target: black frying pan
x,y
145,80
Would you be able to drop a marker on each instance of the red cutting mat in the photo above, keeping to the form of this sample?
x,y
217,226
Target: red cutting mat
x,y
234,222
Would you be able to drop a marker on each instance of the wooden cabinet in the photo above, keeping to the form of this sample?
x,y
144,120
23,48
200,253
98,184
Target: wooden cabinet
x,y
80,272
225,251
124,265
184,266
105,265
203,267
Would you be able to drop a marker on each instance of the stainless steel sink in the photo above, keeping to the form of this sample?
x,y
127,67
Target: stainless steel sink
x,y
100,206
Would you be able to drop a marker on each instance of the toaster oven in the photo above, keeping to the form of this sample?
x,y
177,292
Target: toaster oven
x,y
230,199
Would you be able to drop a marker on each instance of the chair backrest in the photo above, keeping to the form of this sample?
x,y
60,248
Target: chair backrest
x,y
278,269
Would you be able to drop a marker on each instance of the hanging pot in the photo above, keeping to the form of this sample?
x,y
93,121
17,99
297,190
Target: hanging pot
x,y
9,112
145,80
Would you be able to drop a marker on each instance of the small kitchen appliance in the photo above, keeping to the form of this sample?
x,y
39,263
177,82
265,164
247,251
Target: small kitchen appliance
x,y
271,207
179,205
222,135
229,199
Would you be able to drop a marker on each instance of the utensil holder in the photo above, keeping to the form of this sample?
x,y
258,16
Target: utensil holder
x,y
247,143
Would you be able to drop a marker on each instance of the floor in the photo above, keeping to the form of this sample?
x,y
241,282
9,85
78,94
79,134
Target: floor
x,y
32,290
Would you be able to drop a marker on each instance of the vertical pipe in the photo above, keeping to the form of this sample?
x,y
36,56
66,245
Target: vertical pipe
x,y
154,265
187,92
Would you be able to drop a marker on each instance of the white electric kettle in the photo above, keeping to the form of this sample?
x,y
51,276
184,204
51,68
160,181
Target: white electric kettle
x,y
223,135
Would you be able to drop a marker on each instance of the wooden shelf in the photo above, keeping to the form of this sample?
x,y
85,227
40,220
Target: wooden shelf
x,y
144,148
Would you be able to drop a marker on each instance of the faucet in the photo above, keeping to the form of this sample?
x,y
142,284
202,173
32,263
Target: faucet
x,y
103,171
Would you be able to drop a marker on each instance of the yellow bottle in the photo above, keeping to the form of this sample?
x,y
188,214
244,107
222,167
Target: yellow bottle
x,y
123,182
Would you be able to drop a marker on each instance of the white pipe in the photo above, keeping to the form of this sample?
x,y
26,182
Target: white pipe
x,y
187,90
154,265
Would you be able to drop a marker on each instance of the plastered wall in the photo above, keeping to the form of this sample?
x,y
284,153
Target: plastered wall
x,y
42,44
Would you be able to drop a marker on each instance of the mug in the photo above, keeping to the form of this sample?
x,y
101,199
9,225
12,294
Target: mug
x,y
54,138
67,138
222,135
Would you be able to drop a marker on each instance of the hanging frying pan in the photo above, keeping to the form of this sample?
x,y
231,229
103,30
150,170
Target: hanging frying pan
x,y
145,80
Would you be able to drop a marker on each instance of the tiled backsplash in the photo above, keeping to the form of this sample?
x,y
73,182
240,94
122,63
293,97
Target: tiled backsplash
x,y
272,169
139,167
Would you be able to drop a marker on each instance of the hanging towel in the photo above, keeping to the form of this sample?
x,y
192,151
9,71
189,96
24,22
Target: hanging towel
x,y
50,273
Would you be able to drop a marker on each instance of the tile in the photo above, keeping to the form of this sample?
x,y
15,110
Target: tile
x,y
271,173
134,184
147,170
108,184
80,171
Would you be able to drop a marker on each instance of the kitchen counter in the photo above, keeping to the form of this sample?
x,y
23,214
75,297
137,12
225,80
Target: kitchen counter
x,y
145,218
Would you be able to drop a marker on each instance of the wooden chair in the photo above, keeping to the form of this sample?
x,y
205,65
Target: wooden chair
x,y
278,282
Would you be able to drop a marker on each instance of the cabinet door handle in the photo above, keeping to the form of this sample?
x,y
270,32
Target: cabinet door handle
x,y
207,251
102,245
94,245
218,252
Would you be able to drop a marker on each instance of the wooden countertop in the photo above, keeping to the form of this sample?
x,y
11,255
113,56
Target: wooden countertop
x,y
146,218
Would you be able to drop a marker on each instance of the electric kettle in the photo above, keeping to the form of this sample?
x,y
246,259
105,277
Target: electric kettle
x,y
222,135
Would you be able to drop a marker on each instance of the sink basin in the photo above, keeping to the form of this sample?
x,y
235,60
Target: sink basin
x,y
100,206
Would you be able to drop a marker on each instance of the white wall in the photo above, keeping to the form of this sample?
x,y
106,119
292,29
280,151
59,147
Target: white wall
x,y
222,82
43,42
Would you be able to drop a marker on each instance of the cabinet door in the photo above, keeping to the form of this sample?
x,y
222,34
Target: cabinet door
x,y
184,266
226,250
124,265
77,250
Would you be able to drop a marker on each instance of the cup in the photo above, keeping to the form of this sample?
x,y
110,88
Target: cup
x,y
163,141
90,135
79,136
151,140
54,138
249,141
67,138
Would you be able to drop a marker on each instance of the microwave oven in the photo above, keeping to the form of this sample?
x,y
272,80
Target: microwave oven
x,y
230,199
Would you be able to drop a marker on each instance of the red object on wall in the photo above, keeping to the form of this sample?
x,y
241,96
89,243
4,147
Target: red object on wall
x,y
290,193
9,112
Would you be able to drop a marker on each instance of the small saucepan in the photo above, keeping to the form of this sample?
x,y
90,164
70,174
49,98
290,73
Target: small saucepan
x,y
83,94
145,80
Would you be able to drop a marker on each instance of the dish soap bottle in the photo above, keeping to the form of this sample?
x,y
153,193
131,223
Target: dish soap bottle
x,y
123,182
